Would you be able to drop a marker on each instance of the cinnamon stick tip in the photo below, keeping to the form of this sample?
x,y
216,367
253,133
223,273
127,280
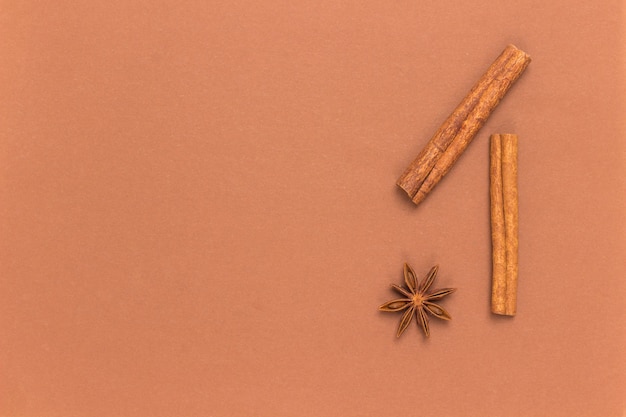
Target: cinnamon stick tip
x,y
503,313
526,56
406,188
502,134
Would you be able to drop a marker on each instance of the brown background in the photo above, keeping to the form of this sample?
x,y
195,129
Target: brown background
x,y
198,213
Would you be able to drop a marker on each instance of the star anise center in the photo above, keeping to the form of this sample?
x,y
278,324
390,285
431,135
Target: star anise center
x,y
418,299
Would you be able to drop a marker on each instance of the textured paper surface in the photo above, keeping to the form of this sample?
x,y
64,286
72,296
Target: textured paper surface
x,y
198,213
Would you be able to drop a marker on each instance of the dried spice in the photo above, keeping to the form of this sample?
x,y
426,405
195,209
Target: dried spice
x,y
504,223
456,133
418,300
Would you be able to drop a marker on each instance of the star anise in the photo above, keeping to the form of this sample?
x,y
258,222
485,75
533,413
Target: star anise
x,y
418,300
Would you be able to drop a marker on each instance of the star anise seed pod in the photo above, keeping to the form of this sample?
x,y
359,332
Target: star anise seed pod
x,y
417,300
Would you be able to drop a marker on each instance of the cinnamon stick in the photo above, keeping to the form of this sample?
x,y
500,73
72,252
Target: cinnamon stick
x,y
504,223
456,133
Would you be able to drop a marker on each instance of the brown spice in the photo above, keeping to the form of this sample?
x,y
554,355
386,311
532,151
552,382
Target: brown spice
x,y
456,133
504,223
418,300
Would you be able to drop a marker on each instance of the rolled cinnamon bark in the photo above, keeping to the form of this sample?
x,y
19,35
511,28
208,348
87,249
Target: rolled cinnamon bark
x,y
498,245
504,223
461,126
